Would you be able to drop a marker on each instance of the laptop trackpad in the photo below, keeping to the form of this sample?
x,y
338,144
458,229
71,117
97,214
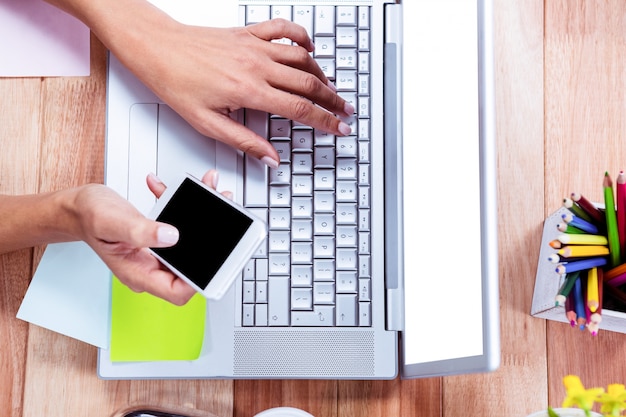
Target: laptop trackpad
x,y
164,143
181,148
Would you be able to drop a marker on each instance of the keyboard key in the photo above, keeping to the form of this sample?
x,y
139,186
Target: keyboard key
x,y
257,14
279,264
365,289
261,292
320,316
248,292
278,308
324,293
301,253
346,309
365,313
260,315
301,299
303,15
346,16
301,276
302,207
248,315
323,270
279,218
301,229
324,23
346,282
324,47
347,37
324,179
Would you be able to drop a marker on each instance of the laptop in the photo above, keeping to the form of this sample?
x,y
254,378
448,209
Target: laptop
x,y
381,257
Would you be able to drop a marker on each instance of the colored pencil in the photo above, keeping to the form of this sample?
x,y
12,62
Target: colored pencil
x,y
620,190
588,263
592,290
596,317
617,281
611,220
579,304
566,228
570,312
582,239
613,272
555,244
566,288
582,250
580,224
569,204
589,208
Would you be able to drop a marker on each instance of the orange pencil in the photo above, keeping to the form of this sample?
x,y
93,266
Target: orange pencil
x,y
613,272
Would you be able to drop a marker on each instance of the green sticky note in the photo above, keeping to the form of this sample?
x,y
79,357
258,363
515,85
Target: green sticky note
x,y
147,328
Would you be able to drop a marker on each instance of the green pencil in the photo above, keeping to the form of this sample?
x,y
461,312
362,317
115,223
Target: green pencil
x,y
611,221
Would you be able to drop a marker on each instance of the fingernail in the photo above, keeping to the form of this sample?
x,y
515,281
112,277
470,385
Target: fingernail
x,y
348,109
167,235
272,163
214,179
344,129
155,178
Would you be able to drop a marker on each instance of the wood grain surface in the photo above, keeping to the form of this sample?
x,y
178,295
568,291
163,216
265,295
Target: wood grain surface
x,y
560,78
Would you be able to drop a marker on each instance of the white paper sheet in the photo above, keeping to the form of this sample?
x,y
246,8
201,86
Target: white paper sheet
x,y
70,294
39,40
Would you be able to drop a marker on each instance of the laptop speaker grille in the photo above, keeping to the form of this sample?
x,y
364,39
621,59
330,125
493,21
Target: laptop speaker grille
x,y
323,354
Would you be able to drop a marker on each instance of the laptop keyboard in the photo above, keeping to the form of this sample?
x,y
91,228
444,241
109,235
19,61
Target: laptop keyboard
x,y
314,267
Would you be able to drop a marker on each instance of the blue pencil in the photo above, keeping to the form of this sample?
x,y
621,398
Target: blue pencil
x,y
579,304
580,265
582,224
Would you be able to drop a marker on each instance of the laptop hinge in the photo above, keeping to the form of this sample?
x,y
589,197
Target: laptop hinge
x,y
394,260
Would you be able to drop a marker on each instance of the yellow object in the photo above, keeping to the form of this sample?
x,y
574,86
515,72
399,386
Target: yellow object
x,y
147,328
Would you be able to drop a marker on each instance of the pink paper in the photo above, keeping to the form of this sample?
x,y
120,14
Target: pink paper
x,y
39,40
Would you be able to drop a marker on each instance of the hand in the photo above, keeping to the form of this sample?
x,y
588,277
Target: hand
x,y
204,74
121,236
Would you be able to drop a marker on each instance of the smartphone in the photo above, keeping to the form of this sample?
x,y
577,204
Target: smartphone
x,y
217,236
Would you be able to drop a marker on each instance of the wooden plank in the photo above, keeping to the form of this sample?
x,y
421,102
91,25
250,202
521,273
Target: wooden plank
x,y
19,144
585,136
316,397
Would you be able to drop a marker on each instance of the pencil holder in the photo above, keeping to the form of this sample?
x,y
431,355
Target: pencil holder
x,y
548,282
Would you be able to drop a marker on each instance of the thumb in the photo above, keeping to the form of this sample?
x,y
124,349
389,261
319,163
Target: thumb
x,y
166,235
148,233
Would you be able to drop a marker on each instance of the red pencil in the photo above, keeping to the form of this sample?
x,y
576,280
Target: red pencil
x,y
589,208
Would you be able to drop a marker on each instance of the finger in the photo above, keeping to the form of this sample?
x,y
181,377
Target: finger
x,y
170,288
281,28
309,86
211,178
165,285
294,107
156,186
225,129
297,57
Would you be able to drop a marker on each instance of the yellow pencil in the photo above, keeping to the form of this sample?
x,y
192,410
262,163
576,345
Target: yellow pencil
x,y
583,250
593,300
573,239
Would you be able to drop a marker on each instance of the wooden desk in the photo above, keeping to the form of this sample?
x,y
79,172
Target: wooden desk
x,y
560,102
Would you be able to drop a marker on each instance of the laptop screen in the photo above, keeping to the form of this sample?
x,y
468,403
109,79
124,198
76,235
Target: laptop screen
x,y
448,274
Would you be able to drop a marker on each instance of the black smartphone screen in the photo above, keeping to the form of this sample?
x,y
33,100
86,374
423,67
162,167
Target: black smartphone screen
x,y
209,231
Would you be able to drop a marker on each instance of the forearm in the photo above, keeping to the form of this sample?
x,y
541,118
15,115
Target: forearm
x,y
33,220
121,25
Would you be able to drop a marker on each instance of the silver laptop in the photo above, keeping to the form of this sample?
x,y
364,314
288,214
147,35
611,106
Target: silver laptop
x,y
381,257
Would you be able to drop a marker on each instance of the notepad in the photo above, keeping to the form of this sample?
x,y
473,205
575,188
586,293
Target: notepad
x,y
146,328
